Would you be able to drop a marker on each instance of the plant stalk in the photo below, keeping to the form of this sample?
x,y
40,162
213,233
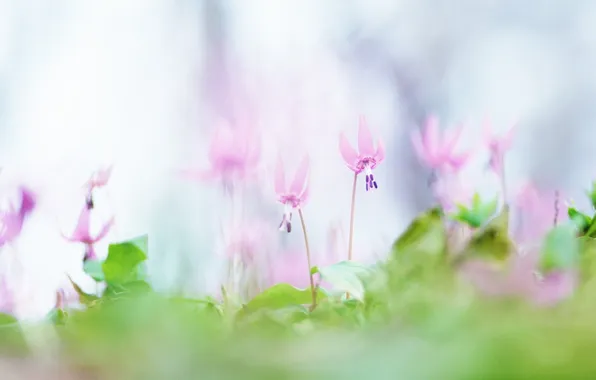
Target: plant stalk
x,y
310,275
352,209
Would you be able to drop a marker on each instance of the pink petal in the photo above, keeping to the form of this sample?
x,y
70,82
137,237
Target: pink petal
x,y
451,137
81,232
104,230
222,143
280,177
348,153
380,155
101,177
365,140
300,182
555,287
430,137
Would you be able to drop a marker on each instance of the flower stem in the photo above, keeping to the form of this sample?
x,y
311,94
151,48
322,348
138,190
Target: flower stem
x,y
307,246
352,208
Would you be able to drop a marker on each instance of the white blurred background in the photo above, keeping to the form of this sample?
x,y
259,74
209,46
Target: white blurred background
x,y
140,83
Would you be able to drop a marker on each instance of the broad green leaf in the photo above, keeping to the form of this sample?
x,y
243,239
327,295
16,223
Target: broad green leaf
x,y
279,296
347,277
58,316
425,236
142,242
123,262
130,288
94,269
492,241
560,248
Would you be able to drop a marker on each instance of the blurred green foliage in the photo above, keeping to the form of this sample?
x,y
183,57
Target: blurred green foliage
x,y
410,317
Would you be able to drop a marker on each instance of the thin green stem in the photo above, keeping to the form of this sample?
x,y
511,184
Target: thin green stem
x,y
352,209
307,246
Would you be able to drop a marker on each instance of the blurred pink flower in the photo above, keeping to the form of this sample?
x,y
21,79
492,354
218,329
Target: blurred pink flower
x,y
99,178
234,154
498,146
82,233
520,278
11,220
249,240
437,151
294,197
367,157
536,214
450,191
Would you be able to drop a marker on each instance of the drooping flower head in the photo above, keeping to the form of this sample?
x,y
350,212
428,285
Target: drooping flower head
x,y
498,145
296,195
367,157
436,150
12,219
234,154
82,233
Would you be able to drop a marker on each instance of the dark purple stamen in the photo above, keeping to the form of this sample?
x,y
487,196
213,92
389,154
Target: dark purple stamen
x,y
289,227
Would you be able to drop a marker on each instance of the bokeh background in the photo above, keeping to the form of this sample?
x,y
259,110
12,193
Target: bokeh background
x,y
141,83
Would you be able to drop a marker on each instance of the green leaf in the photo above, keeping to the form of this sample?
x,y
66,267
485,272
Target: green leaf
x,y
279,296
560,249
492,241
592,195
94,269
479,212
347,277
127,289
425,237
84,298
123,263
58,316
581,220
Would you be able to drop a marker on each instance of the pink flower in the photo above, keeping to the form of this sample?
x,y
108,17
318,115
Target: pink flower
x,y
437,151
537,212
234,154
498,146
99,178
82,234
11,220
296,195
367,157
520,278
249,240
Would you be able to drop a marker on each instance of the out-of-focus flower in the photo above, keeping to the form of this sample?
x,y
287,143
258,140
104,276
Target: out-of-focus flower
x,y
233,153
498,146
367,157
520,278
537,212
82,233
249,240
11,220
296,195
99,178
436,150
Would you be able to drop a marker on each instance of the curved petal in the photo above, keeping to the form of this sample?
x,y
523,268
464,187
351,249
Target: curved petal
x,y
300,183
348,153
380,154
430,136
451,137
280,177
365,140
104,230
81,232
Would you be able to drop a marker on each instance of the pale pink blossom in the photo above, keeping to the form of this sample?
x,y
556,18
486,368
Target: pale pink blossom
x,y
12,219
82,233
296,195
520,278
234,154
437,150
498,145
537,212
367,157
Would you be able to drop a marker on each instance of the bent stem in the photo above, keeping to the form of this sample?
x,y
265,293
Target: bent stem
x,y
307,246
